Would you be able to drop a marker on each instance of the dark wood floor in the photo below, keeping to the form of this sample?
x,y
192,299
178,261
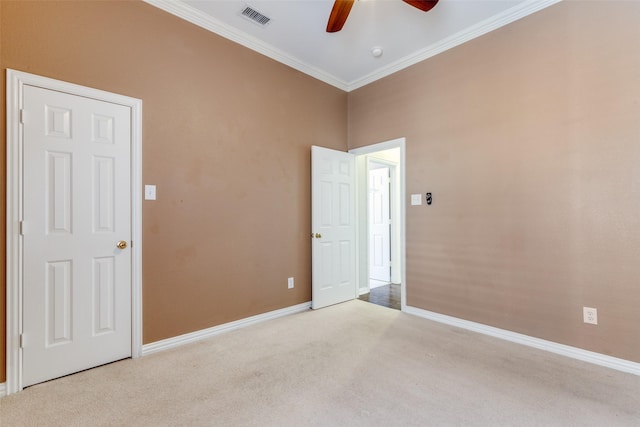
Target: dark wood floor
x,y
386,296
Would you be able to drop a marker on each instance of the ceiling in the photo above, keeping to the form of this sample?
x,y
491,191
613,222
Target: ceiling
x,y
296,34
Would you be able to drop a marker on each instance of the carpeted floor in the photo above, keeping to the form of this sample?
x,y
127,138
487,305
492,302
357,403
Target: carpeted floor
x,y
353,364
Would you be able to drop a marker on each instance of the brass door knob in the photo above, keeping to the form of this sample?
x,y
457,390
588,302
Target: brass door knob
x,y
318,235
122,244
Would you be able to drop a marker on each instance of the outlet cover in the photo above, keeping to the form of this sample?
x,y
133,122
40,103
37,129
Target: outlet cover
x,y
290,283
149,192
590,315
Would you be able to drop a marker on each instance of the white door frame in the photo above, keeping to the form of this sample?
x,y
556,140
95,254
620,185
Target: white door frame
x,y
361,214
16,80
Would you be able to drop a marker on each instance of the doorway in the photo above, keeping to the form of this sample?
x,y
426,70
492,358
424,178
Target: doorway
x,y
73,274
380,218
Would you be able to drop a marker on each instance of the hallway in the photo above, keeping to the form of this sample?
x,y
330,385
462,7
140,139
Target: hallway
x,y
386,296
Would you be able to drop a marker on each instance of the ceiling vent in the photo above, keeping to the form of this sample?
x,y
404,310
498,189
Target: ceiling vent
x,y
255,16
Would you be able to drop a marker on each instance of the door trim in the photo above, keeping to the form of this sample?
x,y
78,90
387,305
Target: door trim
x,y
362,250
16,80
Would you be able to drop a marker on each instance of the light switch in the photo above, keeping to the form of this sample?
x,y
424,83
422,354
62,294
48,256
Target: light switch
x,y
149,192
416,199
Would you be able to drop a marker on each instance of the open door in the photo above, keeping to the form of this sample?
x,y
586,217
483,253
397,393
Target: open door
x,y
379,224
333,232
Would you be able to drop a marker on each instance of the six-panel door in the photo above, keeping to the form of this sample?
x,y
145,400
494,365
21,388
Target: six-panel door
x,y
77,207
333,264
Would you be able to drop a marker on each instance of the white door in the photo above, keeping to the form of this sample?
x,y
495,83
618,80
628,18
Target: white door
x,y
77,208
379,225
333,227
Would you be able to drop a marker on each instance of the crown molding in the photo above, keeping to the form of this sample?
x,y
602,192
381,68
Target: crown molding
x,y
195,16
508,16
201,19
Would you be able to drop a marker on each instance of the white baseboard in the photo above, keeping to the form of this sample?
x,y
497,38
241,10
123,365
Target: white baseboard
x,y
3,389
564,350
216,330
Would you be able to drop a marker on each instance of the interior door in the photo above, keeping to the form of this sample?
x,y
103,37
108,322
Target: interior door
x,y
379,225
76,231
333,227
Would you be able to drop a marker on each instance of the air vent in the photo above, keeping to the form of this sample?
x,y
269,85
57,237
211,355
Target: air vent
x,y
255,16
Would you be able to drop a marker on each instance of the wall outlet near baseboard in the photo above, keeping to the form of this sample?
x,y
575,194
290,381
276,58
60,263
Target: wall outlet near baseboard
x,y
590,315
290,283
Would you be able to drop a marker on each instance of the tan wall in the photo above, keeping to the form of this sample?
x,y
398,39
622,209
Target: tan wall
x,y
529,140
226,139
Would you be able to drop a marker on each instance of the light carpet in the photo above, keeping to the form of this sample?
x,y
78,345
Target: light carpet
x,y
352,364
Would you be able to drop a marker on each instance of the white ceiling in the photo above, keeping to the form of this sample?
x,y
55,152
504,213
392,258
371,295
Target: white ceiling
x,y
296,34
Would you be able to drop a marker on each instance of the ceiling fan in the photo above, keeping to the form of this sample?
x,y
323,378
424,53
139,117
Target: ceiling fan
x,y
341,9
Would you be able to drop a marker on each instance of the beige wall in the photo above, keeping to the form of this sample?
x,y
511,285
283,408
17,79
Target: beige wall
x,y
529,140
226,139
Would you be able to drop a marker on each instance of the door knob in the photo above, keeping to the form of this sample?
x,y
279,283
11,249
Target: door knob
x,y
122,244
318,235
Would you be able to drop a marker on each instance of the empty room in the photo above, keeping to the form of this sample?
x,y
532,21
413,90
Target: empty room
x,y
202,197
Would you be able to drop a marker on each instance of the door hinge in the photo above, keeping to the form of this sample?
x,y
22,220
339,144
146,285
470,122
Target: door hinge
x,y
21,228
21,116
21,340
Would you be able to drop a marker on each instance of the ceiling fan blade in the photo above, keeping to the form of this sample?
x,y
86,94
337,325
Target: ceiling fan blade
x,y
423,5
339,14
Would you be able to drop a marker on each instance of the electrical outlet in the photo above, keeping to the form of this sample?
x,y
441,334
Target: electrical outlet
x,y
590,315
290,283
149,192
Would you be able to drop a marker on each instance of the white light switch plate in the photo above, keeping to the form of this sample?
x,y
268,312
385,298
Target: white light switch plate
x,y
416,199
149,192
